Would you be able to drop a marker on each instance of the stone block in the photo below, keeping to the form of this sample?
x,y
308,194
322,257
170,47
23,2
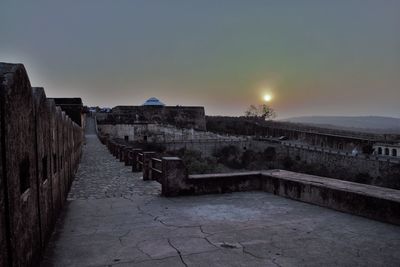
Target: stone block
x,y
54,145
121,153
65,153
68,152
4,251
174,177
127,161
43,155
60,154
146,164
134,157
19,164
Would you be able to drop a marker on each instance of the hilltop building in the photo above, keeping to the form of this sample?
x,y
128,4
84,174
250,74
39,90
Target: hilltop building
x,y
153,118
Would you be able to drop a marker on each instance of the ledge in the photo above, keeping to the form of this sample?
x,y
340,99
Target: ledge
x,y
369,201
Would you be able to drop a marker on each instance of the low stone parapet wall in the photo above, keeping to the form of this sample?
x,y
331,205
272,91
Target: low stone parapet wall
x,y
373,202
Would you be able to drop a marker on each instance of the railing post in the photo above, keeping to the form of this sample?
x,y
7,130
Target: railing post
x,y
126,155
121,153
174,175
114,148
109,145
146,164
118,151
134,153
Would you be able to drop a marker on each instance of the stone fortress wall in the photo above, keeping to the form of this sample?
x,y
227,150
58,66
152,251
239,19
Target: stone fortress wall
x,y
173,138
342,140
177,116
40,151
325,152
152,132
338,165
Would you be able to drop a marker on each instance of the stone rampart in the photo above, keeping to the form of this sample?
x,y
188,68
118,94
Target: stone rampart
x,y
339,165
40,151
151,132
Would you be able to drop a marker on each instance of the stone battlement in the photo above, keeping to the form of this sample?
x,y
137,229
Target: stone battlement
x,y
40,150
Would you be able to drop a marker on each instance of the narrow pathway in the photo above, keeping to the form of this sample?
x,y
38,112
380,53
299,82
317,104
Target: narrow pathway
x,y
114,218
100,175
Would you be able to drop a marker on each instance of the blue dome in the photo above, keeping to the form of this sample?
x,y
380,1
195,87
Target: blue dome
x,y
152,101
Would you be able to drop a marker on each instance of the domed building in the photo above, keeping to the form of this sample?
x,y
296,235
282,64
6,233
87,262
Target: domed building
x,y
152,101
143,123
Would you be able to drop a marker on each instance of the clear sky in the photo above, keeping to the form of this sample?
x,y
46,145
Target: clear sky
x,y
316,57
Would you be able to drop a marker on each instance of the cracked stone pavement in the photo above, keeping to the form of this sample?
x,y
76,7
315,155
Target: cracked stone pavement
x,y
114,218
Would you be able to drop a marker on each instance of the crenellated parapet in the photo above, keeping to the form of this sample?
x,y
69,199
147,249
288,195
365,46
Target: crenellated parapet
x,y
40,151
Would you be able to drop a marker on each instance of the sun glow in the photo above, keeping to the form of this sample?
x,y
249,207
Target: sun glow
x,y
267,98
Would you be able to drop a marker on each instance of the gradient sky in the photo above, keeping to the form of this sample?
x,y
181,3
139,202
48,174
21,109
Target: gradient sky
x,y
315,57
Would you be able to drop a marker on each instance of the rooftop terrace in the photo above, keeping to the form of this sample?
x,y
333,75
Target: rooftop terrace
x,y
114,218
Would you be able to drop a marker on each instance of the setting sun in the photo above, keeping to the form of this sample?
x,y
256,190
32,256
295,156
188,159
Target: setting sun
x,y
267,98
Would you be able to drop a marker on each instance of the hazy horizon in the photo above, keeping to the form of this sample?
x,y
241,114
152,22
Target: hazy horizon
x,y
337,58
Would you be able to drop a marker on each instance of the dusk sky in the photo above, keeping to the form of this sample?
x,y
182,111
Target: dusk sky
x,y
315,57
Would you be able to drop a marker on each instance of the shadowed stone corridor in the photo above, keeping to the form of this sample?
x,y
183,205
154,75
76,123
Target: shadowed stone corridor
x,y
114,218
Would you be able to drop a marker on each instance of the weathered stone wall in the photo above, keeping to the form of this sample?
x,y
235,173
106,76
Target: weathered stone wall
x,y
143,132
20,164
361,168
208,147
316,136
55,174
336,165
4,238
31,145
43,155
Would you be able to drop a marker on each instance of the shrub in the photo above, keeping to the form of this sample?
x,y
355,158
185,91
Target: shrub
x,y
269,153
363,178
288,163
229,156
248,158
194,162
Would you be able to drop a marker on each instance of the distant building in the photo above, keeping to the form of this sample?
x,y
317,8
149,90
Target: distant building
x,y
152,101
153,111
390,150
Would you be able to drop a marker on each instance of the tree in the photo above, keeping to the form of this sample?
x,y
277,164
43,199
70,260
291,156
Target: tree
x,y
263,112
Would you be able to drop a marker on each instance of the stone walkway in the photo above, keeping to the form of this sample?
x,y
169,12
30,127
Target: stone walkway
x,y
100,175
113,218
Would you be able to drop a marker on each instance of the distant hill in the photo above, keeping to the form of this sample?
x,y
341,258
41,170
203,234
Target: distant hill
x,y
375,124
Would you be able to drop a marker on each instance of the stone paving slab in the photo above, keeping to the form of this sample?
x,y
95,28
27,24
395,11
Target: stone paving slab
x,y
240,229
114,218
